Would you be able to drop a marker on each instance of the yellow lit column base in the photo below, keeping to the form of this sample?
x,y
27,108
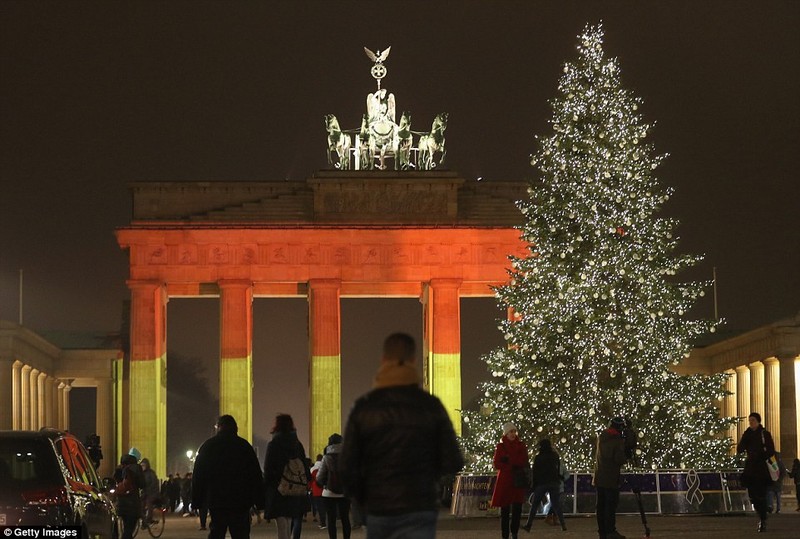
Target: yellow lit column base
x,y
236,393
326,400
444,381
148,412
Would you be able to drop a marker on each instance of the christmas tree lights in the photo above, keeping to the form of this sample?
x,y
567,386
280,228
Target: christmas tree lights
x,y
597,317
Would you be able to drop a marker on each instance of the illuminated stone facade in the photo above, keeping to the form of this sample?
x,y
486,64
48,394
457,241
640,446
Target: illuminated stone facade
x,y
764,378
38,373
428,235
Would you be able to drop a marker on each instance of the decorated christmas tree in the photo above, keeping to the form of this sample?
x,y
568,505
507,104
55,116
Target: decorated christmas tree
x,y
597,318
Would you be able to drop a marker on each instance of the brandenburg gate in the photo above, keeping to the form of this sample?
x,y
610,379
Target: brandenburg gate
x,y
384,221
429,235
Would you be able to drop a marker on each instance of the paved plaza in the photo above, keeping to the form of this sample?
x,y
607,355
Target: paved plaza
x,y
784,525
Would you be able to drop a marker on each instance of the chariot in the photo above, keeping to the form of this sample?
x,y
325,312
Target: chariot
x,y
380,138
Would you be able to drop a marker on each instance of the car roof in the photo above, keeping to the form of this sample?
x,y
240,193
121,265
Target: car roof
x,y
51,434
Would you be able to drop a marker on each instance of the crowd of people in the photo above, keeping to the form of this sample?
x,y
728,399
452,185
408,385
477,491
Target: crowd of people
x,y
384,471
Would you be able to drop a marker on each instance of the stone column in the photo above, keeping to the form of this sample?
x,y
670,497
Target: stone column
x,y
60,405
47,401
25,397
772,397
789,446
41,402
16,392
325,366
442,344
742,398
53,411
729,406
65,405
34,397
236,354
16,389
6,396
147,422
104,426
757,388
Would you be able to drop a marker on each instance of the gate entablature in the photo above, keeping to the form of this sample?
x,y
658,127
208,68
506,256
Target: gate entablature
x,y
354,197
430,235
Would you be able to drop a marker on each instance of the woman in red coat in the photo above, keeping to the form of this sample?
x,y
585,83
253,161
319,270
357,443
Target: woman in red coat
x,y
511,453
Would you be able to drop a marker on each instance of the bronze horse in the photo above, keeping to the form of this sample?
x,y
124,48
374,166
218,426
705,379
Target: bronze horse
x,y
430,143
338,143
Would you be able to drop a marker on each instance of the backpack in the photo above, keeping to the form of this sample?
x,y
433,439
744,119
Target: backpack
x,y
332,482
294,481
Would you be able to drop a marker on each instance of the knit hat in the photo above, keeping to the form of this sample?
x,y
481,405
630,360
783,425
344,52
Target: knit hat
x,y
617,423
508,427
334,439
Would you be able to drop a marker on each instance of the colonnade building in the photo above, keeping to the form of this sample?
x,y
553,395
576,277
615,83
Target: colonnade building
x,y
764,377
38,372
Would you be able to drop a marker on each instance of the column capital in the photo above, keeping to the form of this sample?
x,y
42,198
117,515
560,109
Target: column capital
x,y
741,369
445,282
144,283
324,283
770,361
235,283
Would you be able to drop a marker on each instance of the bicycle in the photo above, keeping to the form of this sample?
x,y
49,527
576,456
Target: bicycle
x,y
156,525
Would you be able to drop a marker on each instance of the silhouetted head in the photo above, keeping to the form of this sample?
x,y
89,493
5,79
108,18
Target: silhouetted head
x,y
226,423
283,423
399,348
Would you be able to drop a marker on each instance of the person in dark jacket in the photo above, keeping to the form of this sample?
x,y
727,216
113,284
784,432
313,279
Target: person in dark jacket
x,y
546,479
151,492
227,480
334,500
510,458
609,458
287,511
174,491
398,442
795,474
186,495
757,442
129,479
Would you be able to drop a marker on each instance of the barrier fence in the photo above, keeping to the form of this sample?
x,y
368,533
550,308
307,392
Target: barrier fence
x,y
663,492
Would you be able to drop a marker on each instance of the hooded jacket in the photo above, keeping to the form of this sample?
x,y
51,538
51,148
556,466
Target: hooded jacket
x,y
330,465
398,443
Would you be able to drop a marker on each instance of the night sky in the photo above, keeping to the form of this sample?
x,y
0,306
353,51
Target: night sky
x,y
94,96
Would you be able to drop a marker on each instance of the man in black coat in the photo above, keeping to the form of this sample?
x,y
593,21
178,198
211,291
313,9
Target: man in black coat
x,y
398,442
227,480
